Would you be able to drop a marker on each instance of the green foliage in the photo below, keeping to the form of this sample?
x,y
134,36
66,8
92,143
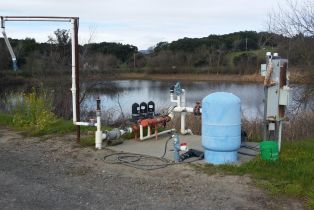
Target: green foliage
x,y
33,112
238,41
291,175
59,126
88,141
5,119
121,51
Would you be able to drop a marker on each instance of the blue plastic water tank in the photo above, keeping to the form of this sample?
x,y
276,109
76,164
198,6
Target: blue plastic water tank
x,y
221,127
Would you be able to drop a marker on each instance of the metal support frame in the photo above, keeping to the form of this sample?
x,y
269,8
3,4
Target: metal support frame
x,y
276,91
75,57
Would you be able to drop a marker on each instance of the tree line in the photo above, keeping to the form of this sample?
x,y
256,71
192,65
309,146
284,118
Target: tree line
x,y
235,53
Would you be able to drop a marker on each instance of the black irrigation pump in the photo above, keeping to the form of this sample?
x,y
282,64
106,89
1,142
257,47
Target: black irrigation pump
x,y
135,112
75,57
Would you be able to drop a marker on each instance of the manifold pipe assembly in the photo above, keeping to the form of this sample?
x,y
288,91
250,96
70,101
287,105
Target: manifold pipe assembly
x,y
182,109
149,123
106,135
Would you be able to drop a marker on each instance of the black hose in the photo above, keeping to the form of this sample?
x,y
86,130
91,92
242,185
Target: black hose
x,y
123,158
248,154
254,148
165,150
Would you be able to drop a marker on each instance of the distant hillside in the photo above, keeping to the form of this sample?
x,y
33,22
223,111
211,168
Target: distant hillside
x,y
235,53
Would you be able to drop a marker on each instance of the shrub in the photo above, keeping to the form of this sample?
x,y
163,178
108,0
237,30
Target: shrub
x,y
33,111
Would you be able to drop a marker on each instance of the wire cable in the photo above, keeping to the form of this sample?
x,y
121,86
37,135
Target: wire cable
x,y
133,160
248,154
165,150
254,148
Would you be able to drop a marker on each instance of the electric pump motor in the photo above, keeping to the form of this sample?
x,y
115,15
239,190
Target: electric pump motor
x,y
135,112
143,110
151,109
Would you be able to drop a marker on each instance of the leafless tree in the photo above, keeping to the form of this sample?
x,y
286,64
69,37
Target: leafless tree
x,y
295,20
292,18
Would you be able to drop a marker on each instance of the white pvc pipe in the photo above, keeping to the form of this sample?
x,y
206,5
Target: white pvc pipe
x,y
98,133
182,113
182,122
182,98
187,131
179,101
86,124
141,132
171,115
39,19
149,131
122,132
154,135
73,89
183,109
172,98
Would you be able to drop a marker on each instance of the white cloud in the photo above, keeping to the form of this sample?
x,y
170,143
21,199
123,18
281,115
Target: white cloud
x,y
139,22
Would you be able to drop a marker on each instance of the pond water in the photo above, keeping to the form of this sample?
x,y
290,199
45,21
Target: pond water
x,y
127,92
119,95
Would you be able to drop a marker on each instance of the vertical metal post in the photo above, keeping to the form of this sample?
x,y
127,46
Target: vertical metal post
x,y
176,148
77,79
265,130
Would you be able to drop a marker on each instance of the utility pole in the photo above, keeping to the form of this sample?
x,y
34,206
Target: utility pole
x,y
134,63
247,56
246,44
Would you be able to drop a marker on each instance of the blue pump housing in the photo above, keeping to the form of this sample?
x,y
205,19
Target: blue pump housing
x,y
221,127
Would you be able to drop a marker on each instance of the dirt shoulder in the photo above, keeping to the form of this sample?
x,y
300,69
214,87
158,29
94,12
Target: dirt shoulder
x,y
56,173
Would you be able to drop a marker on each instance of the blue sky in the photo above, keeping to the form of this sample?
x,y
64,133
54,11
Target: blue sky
x,y
138,22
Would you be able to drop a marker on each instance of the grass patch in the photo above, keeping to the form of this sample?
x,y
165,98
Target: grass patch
x,y
88,141
292,175
32,112
6,119
59,126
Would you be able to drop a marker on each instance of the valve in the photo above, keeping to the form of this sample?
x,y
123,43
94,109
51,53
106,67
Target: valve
x,y
197,108
177,148
98,104
177,89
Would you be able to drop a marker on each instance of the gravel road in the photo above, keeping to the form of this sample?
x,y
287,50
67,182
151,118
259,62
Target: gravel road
x,y
53,172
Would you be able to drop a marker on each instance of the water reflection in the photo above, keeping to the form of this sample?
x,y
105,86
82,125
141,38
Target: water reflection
x,y
131,91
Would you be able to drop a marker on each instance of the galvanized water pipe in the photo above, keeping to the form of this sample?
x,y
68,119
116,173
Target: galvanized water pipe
x,y
13,57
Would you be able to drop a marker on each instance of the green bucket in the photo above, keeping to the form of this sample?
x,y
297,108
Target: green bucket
x,y
269,150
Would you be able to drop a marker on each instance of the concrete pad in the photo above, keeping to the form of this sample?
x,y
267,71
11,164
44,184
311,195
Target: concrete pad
x,y
155,148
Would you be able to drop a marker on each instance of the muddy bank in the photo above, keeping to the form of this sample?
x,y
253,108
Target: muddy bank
x,y
180,77
295,77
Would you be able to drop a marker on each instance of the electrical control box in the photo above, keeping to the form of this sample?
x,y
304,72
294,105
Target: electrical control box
x,y
277,90
284,96
263,69
277,95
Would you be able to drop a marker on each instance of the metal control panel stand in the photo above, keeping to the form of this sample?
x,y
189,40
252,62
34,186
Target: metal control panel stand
x,y
277,91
